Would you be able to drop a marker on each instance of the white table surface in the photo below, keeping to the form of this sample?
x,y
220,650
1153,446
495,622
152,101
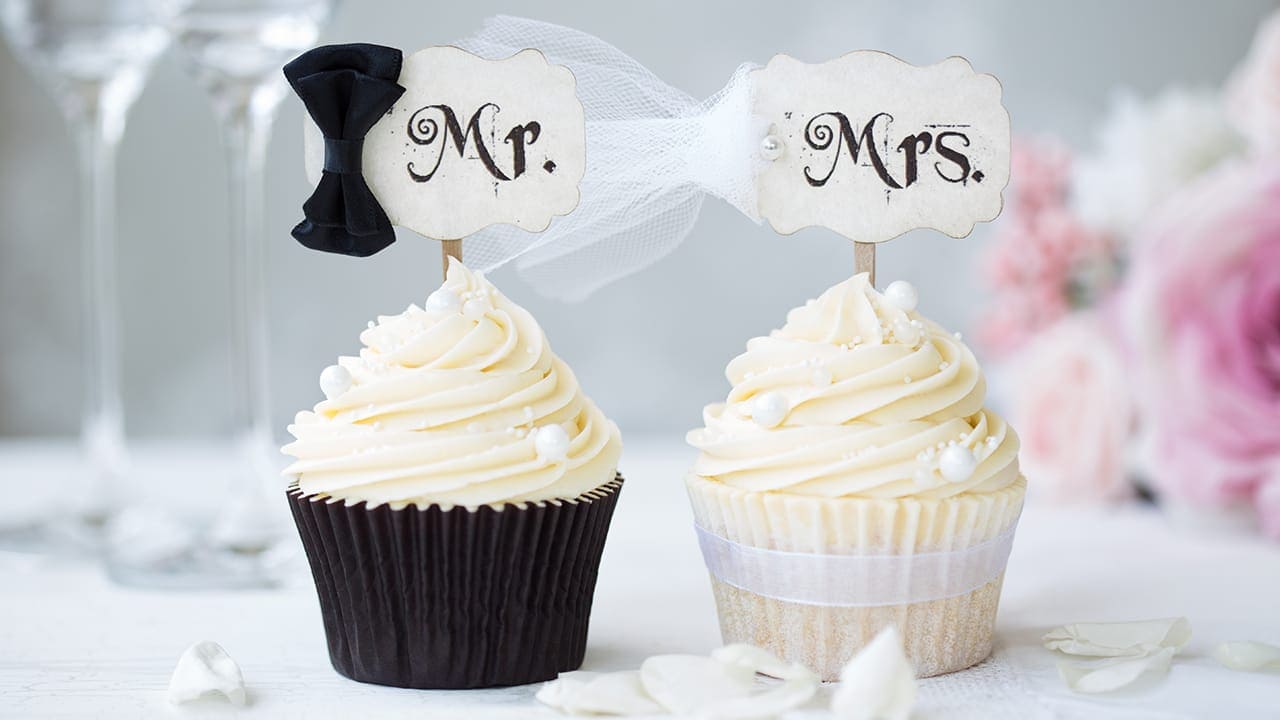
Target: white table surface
x,y
73,645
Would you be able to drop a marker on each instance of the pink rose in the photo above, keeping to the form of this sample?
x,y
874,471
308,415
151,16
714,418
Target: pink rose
x,y
1071,405
1204,304
1253,92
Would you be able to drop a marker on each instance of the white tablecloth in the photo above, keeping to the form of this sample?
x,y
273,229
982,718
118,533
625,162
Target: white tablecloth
x,y
73,645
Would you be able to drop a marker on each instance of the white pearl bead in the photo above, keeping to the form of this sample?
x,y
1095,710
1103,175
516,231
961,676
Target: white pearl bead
x,y
771,147
902,295
957,463
906,333
770,409
444,302
475,309
335,380
551,442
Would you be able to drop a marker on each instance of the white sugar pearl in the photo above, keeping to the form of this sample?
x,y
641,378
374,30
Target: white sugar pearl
x,y
770,409
444,302
551,442
475,309
821,376
771,147
957,463
902,295
905,332
335,380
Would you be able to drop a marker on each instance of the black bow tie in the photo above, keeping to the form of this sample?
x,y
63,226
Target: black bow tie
x,y
346,89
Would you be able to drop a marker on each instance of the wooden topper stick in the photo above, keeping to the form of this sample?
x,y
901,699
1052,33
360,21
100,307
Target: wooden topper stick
x,y
864,260
449,249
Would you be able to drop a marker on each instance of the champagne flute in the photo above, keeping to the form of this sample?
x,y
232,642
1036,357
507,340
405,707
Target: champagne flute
x,y
235,49
94,57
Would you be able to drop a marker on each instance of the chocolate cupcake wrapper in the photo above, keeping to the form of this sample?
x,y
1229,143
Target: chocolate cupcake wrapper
x,y
459,598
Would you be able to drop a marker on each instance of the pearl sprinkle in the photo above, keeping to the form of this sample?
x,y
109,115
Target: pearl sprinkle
x,y
770,409
906,333
552,443
957,463
335,380
902,295
771,147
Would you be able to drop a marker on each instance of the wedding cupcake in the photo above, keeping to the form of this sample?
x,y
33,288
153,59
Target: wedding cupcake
x,y
453,493
853,480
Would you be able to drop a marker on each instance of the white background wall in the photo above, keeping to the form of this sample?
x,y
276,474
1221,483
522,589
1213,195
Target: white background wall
x,y
650,349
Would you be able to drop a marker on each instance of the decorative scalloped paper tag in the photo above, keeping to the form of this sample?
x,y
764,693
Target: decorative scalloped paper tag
x,y
472,143
872,147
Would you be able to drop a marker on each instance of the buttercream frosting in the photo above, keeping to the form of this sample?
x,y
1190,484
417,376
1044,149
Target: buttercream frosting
x,y
446,405
856,397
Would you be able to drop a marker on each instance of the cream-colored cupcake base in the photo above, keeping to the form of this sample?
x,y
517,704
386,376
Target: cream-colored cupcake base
x,y
940,636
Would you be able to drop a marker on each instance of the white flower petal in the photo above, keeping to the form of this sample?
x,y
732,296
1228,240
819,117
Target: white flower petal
x,y
690,684
759,660
557,693
204,669
1120,639
1113,673
587,693
1248,656
878,683
798,687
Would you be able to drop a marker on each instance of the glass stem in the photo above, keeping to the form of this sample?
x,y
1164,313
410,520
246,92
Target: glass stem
x,y
102,422
246,137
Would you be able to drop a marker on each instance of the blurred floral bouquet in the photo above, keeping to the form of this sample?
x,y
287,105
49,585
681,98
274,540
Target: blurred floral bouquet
x,y
1136,302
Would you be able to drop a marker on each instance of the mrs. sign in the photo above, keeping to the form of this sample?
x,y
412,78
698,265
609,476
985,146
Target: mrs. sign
x,y
871,147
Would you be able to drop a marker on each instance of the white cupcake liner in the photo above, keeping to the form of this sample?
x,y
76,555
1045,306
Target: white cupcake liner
x,y
814,579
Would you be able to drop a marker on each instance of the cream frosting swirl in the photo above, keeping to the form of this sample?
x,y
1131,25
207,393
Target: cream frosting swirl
x,y
856,396
452,404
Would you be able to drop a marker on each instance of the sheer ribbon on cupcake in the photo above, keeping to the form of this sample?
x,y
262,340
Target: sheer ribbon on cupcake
x,y
653,154
855,580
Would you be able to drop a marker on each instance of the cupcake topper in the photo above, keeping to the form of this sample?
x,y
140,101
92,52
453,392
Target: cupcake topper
x,y
871,147
865,145
444,143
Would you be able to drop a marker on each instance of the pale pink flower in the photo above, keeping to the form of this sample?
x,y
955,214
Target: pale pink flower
x,y
1040,168
1204,305
1071,403
1253,92
1041,251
